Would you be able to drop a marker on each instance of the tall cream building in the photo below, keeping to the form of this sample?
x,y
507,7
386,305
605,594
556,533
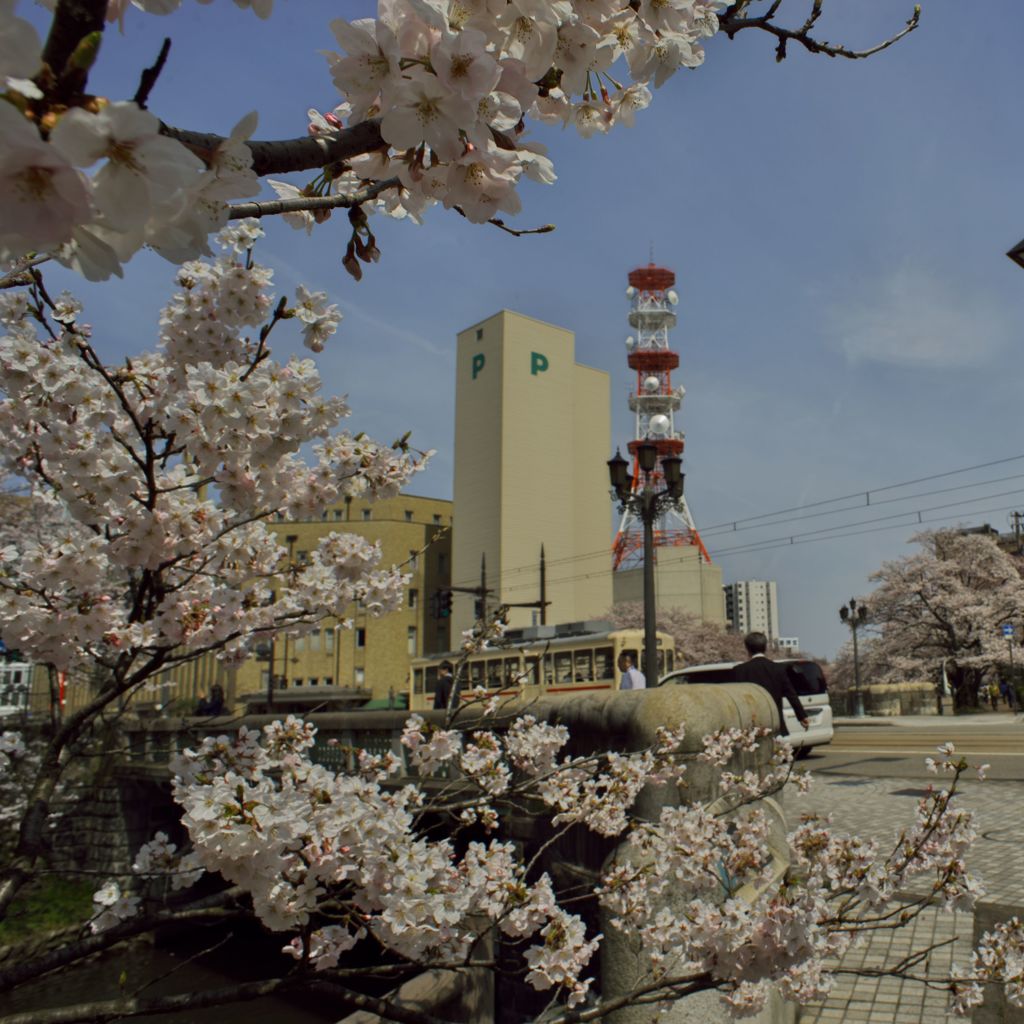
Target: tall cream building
x,y
532,438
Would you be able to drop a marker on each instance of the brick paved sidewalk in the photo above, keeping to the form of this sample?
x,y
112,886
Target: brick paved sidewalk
x,y
878,809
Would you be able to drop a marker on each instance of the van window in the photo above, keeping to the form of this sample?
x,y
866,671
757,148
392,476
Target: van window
x,y
808,679
710,675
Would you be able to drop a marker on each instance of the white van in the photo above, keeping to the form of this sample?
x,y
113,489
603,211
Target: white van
x,y
808,681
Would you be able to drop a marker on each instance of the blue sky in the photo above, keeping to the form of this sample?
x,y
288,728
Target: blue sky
x,y
848,318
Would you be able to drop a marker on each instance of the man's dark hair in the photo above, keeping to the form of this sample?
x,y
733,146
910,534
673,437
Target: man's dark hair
x,y
755,643
447,665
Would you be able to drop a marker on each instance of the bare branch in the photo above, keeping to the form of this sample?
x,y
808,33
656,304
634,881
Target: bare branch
x,y
735,20
151,74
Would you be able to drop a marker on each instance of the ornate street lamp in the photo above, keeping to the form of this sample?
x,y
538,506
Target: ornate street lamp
x,y
648,505
855,615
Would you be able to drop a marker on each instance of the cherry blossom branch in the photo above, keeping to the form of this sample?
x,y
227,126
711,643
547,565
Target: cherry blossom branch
x,y
270,207
282,156
19,275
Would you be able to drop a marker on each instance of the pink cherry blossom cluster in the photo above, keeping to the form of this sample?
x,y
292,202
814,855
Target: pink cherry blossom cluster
x,y
168,470
453,82
703,891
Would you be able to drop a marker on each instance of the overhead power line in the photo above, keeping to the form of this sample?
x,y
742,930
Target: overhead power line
x,y
769,545
759,521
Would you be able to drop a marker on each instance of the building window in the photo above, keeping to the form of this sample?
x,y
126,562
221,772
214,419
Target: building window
x,y
366,514
328,680
408,515
414,559
337,513
414,598
411,639
437,520
479,334
300,644
298,681
314,641
314,681
361,637
329,640
360,676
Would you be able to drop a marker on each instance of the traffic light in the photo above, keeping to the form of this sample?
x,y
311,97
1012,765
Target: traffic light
x,y
441,603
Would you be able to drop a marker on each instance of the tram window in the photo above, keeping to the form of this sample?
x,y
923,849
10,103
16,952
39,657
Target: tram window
x,y
661,665
563,667
476,673
583,666
512,672
417,680
549,672
671,660
604,663
431,678
530,667
494,674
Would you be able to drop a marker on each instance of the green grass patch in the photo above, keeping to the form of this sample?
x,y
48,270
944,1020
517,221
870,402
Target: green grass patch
x,y
46,905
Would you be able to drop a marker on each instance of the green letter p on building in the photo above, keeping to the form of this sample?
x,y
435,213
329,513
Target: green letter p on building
x,y
478,363
538,363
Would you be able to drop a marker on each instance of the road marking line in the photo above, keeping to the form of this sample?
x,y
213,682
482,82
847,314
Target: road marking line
x,y
831,749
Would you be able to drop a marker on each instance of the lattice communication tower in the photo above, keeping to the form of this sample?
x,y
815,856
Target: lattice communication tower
x,y
655,402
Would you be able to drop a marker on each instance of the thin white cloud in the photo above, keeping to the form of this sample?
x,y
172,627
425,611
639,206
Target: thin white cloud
x,y
911,318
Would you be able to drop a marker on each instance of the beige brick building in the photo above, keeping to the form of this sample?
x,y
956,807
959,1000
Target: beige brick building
x,y
532,437
373,655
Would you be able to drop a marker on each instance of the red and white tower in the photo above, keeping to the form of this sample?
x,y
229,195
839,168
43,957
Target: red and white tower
x,y
655,402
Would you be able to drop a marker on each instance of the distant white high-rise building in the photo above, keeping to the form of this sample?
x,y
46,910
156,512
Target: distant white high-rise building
x,y
753,606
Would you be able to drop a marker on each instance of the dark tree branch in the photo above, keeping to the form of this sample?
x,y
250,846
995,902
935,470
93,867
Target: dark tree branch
x,y
283,156
150,75
100,1011
735,19
212,910
72,21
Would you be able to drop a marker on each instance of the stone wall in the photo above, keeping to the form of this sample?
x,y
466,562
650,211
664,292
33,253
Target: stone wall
x,y
888,699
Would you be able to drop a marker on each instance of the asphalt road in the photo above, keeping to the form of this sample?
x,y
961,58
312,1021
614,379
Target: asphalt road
x,y
898,751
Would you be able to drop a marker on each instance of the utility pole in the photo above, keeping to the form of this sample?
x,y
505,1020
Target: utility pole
x,y
1017,517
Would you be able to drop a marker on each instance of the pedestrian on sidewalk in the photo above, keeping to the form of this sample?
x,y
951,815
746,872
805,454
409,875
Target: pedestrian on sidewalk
x,y
774,678
1009,694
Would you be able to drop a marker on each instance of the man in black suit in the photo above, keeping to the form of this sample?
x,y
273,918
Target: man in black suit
x,y
443,693
774,678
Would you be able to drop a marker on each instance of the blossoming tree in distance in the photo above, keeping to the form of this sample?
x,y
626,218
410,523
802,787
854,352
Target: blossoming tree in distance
x,y
163,472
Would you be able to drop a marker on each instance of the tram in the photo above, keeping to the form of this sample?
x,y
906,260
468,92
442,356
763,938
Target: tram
x,y
572,658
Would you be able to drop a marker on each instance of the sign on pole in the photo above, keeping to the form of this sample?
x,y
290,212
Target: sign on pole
x,y
1007,629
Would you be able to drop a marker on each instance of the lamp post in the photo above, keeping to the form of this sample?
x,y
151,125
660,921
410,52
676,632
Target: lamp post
x,y
855,615
648,505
